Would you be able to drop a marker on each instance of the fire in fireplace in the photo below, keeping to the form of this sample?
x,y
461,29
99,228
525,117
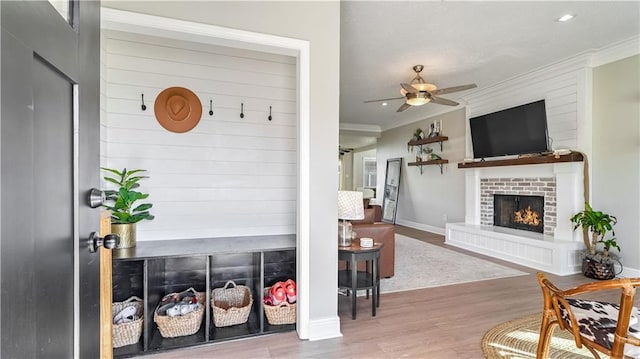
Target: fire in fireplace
x,y
519,212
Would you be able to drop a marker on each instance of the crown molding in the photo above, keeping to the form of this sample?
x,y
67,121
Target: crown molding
x,y
585,59
430,116
359,127
616,51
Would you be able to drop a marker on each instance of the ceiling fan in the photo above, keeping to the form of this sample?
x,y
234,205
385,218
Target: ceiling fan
x,y
418,92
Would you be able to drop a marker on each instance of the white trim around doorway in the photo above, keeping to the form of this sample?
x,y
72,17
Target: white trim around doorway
x,y
119,20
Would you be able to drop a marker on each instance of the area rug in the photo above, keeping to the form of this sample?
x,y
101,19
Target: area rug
x,y
518,338
423,265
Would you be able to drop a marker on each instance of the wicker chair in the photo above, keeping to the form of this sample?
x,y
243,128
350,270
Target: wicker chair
x,y
599,326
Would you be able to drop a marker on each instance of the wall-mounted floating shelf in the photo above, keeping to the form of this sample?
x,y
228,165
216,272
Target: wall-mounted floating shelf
x,y
439,163
426,141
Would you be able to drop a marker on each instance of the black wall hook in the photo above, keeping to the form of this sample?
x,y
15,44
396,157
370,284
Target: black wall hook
x,y
241,110
210,107
270,118
143,106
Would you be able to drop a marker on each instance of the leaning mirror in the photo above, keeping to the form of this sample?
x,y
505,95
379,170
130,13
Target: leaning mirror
x,y
391,190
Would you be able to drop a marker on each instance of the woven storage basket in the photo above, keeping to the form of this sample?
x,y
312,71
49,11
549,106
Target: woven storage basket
x,y
127,333
231,306
596,270
283,313
179,326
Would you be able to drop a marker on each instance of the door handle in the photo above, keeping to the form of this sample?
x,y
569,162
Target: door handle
x,y
96,198
109,241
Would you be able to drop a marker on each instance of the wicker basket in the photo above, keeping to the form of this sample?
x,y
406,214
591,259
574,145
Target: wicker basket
x,y
127,333
596,270
283,313
179,326
231,306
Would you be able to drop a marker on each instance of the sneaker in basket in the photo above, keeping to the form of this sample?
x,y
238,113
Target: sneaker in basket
x,y
182,309
125,315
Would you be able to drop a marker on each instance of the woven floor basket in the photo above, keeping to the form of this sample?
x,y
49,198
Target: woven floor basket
x,y
181,325
596,270
127,333
283,313
231,306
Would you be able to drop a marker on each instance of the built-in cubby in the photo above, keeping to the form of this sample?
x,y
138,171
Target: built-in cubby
x,y
155,268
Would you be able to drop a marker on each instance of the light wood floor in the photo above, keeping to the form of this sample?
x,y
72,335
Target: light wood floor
x,y
444,322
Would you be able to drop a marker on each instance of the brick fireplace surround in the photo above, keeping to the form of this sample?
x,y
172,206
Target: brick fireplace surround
x,y
545,186
557,250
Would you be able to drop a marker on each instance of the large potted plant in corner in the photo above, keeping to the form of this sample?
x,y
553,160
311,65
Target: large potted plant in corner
x,y
125,213
598,264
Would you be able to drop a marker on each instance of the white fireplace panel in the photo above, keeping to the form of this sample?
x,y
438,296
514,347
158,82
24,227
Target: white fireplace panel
x,y
541,252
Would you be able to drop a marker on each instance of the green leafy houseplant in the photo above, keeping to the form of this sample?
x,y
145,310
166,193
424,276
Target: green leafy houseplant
x,y
417,136
599,224
124,209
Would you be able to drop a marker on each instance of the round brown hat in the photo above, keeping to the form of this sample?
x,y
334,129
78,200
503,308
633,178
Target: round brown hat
x,y
178,109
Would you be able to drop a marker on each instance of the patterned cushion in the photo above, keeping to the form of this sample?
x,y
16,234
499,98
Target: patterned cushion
x,y
597,322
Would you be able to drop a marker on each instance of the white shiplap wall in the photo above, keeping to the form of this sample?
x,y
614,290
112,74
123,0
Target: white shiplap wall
x,y
226,177
563,86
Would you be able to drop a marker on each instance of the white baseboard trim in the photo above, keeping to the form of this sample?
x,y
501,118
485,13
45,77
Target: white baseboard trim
x,y
327,328
420,226
628,272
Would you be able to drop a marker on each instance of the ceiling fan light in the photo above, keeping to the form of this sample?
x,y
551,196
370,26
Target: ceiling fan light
x,y
418,99
424,86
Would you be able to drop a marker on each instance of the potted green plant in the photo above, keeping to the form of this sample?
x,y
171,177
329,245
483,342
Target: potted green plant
x,y
417,136
598,264
125,212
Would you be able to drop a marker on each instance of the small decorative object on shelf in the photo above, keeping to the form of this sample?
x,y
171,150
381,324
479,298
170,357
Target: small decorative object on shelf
x,y
423,154
418,135
435,128
124,215
597,264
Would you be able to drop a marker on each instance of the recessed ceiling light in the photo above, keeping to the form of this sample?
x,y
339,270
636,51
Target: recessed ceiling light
x,y
566,17
384,104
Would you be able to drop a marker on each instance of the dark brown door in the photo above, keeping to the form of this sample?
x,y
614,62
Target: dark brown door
x,y
49,156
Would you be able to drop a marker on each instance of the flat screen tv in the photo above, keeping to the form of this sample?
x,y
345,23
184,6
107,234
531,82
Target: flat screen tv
x,y
514,131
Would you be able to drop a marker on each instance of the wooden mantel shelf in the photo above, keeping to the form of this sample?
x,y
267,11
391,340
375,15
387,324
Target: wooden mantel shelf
x,y
572,157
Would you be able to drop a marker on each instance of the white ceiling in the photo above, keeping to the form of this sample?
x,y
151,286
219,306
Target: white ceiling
x,y
460,43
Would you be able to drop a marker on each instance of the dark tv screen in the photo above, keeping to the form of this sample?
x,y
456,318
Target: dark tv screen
x,y
514,131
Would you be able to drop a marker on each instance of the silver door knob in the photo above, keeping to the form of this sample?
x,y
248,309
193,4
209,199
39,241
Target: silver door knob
x,y
109,241
96,198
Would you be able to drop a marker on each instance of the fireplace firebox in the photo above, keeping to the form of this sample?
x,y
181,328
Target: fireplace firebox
x,y
519,212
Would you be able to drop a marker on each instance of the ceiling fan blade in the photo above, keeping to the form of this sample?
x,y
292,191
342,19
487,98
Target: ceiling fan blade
x,y
408,88
403,107
443,101
452,89
385,99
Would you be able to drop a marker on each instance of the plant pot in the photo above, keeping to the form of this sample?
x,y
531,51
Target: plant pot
x,y
597,270
127,233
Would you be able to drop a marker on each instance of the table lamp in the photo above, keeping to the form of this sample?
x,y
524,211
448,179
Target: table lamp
x,y
350,207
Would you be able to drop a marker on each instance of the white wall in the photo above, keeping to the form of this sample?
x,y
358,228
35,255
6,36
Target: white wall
x,y
346,176
615,188
424,200
318,23
228,176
